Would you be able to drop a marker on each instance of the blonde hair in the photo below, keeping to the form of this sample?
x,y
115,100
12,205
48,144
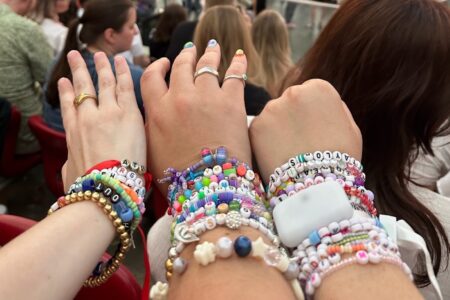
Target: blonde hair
x,y
226,25
271,39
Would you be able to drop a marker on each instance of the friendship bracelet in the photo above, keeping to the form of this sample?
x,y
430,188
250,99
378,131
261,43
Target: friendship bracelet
x,y
103,270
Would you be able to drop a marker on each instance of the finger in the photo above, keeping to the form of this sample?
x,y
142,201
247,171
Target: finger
x,y
124,87
234,87
211,59
106,80
82,82
182,76
66,96
153,83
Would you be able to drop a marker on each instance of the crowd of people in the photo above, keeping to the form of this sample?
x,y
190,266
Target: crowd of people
x,y
362,118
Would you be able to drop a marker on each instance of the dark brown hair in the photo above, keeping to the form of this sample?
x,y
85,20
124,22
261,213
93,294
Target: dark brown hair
x,y
171,17
389,60
98,16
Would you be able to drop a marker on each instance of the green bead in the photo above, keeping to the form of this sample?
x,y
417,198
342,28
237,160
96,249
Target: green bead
x,y
228,172
206,181
201,195
119,189
301,158
181,199
234,205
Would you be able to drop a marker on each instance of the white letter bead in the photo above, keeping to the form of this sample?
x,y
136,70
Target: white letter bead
x,y
250,175
318,155
217,170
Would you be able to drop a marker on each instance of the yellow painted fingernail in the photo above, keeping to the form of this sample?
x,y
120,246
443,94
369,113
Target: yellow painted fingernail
x,y
239,52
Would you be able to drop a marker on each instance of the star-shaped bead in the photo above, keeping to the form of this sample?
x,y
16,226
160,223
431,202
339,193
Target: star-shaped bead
x,y
259,248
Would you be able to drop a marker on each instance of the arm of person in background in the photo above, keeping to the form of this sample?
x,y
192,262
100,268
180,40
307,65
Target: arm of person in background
x,y
140,58
55,256
37,51
312,117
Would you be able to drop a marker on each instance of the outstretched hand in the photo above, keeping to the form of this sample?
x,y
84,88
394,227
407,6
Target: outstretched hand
x,y
192,114
110,129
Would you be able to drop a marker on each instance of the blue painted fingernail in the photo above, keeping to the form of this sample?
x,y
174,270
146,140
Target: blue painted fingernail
x,y
188,45
212,43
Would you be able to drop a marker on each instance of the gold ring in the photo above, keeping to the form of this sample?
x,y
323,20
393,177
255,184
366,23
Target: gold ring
x,y
83,96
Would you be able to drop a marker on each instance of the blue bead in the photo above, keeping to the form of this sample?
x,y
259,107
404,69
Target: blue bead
x,y
198,185
208,160
192,208
88,185
201,203
314,237
214,198
124,212
188,194
242,246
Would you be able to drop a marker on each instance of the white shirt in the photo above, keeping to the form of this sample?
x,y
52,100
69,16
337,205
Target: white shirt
x,y
55,33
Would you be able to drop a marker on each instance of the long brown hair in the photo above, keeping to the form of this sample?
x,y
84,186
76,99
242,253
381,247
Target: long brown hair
x,y
271,39
389,60
226,24
98,16
173,14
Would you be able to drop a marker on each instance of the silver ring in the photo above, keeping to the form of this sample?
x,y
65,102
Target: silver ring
x,y
206,70
242,77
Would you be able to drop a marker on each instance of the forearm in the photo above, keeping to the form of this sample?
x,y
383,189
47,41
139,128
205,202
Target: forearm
x,y
54,257
380,281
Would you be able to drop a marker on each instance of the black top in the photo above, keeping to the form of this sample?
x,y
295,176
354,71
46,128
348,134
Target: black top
x,y
182,34
158,49
255,99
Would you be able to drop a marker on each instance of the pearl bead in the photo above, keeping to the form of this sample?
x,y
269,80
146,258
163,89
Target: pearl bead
x,y
224,247
179,265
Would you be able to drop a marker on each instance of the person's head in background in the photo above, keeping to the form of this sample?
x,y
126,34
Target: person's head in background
x,y
389,60
211,3
271,39
106,25
61,6
226,25
44,9
20,7
171,17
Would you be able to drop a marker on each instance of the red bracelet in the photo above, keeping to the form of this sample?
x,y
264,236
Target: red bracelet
x,y
107,164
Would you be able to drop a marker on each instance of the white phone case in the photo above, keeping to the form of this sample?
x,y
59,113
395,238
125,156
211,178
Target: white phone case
x,y
310,209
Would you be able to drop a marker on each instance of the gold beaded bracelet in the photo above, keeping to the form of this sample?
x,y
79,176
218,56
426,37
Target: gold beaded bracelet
x,y
125,241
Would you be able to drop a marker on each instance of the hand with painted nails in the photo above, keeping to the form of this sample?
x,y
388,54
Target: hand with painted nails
x,y
306,118
195,111
110,129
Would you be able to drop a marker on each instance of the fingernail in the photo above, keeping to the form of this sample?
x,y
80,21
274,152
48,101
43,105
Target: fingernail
x,y
188,45
239,52
212,43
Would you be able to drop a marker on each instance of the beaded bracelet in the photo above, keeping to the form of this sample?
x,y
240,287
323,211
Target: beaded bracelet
x,y
113,188
102,271
361,258
308,169
206,253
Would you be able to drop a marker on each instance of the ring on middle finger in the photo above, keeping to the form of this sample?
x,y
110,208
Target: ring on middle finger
x,y
206,70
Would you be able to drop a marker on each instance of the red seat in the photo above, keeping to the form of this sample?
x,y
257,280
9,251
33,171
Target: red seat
x,y
11,164
54,152
121,285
